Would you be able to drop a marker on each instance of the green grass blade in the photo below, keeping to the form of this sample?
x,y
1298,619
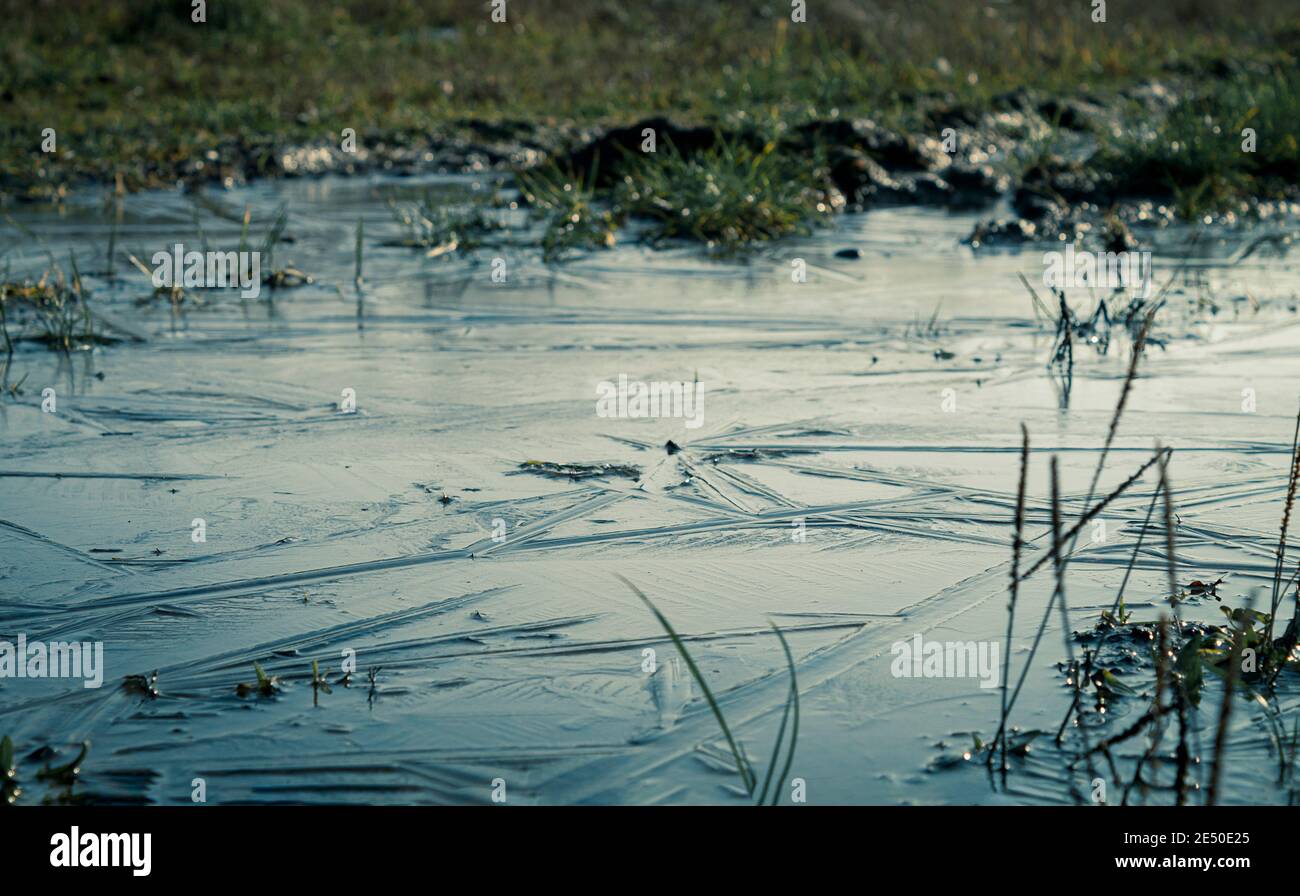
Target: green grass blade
x,y
794,728
360,235
776,747
742,765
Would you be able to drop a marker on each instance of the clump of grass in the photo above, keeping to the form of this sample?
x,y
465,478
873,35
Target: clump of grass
x,y
266,686
1197,155
431,224
273,234
287,277
789,717
727,197
276,278
174,294
54,310
1180,653
574,219
1039,153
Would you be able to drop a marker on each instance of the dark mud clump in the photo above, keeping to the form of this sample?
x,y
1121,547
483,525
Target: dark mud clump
x,y
578,472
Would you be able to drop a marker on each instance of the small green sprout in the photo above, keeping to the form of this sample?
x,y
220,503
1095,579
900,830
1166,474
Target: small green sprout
x,y
267,685
319,683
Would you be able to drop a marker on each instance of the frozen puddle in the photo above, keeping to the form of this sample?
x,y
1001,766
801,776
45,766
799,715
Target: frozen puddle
x,y
853,481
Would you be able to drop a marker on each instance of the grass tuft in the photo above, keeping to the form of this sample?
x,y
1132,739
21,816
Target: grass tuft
x,y
54,311
432,224
727,197
574,218
1197,151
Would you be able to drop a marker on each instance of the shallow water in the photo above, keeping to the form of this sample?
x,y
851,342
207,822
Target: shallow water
x,y
522,659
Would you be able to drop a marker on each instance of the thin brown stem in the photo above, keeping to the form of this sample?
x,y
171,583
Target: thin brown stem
x,y
1017,543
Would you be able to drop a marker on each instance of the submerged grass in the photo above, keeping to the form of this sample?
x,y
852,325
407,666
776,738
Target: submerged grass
x,y
1232,138
432,224
53,310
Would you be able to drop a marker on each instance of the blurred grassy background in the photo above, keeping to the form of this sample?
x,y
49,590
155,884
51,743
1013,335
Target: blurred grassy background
x,y
136,86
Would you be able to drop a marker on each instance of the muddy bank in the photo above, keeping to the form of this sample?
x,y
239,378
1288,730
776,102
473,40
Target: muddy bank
x,y
1046,167
1051,160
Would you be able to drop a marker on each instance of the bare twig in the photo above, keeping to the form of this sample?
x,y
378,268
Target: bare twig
x,y
1017,543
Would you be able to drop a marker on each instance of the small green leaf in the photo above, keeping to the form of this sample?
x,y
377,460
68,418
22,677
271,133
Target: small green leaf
x,y
1115,686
